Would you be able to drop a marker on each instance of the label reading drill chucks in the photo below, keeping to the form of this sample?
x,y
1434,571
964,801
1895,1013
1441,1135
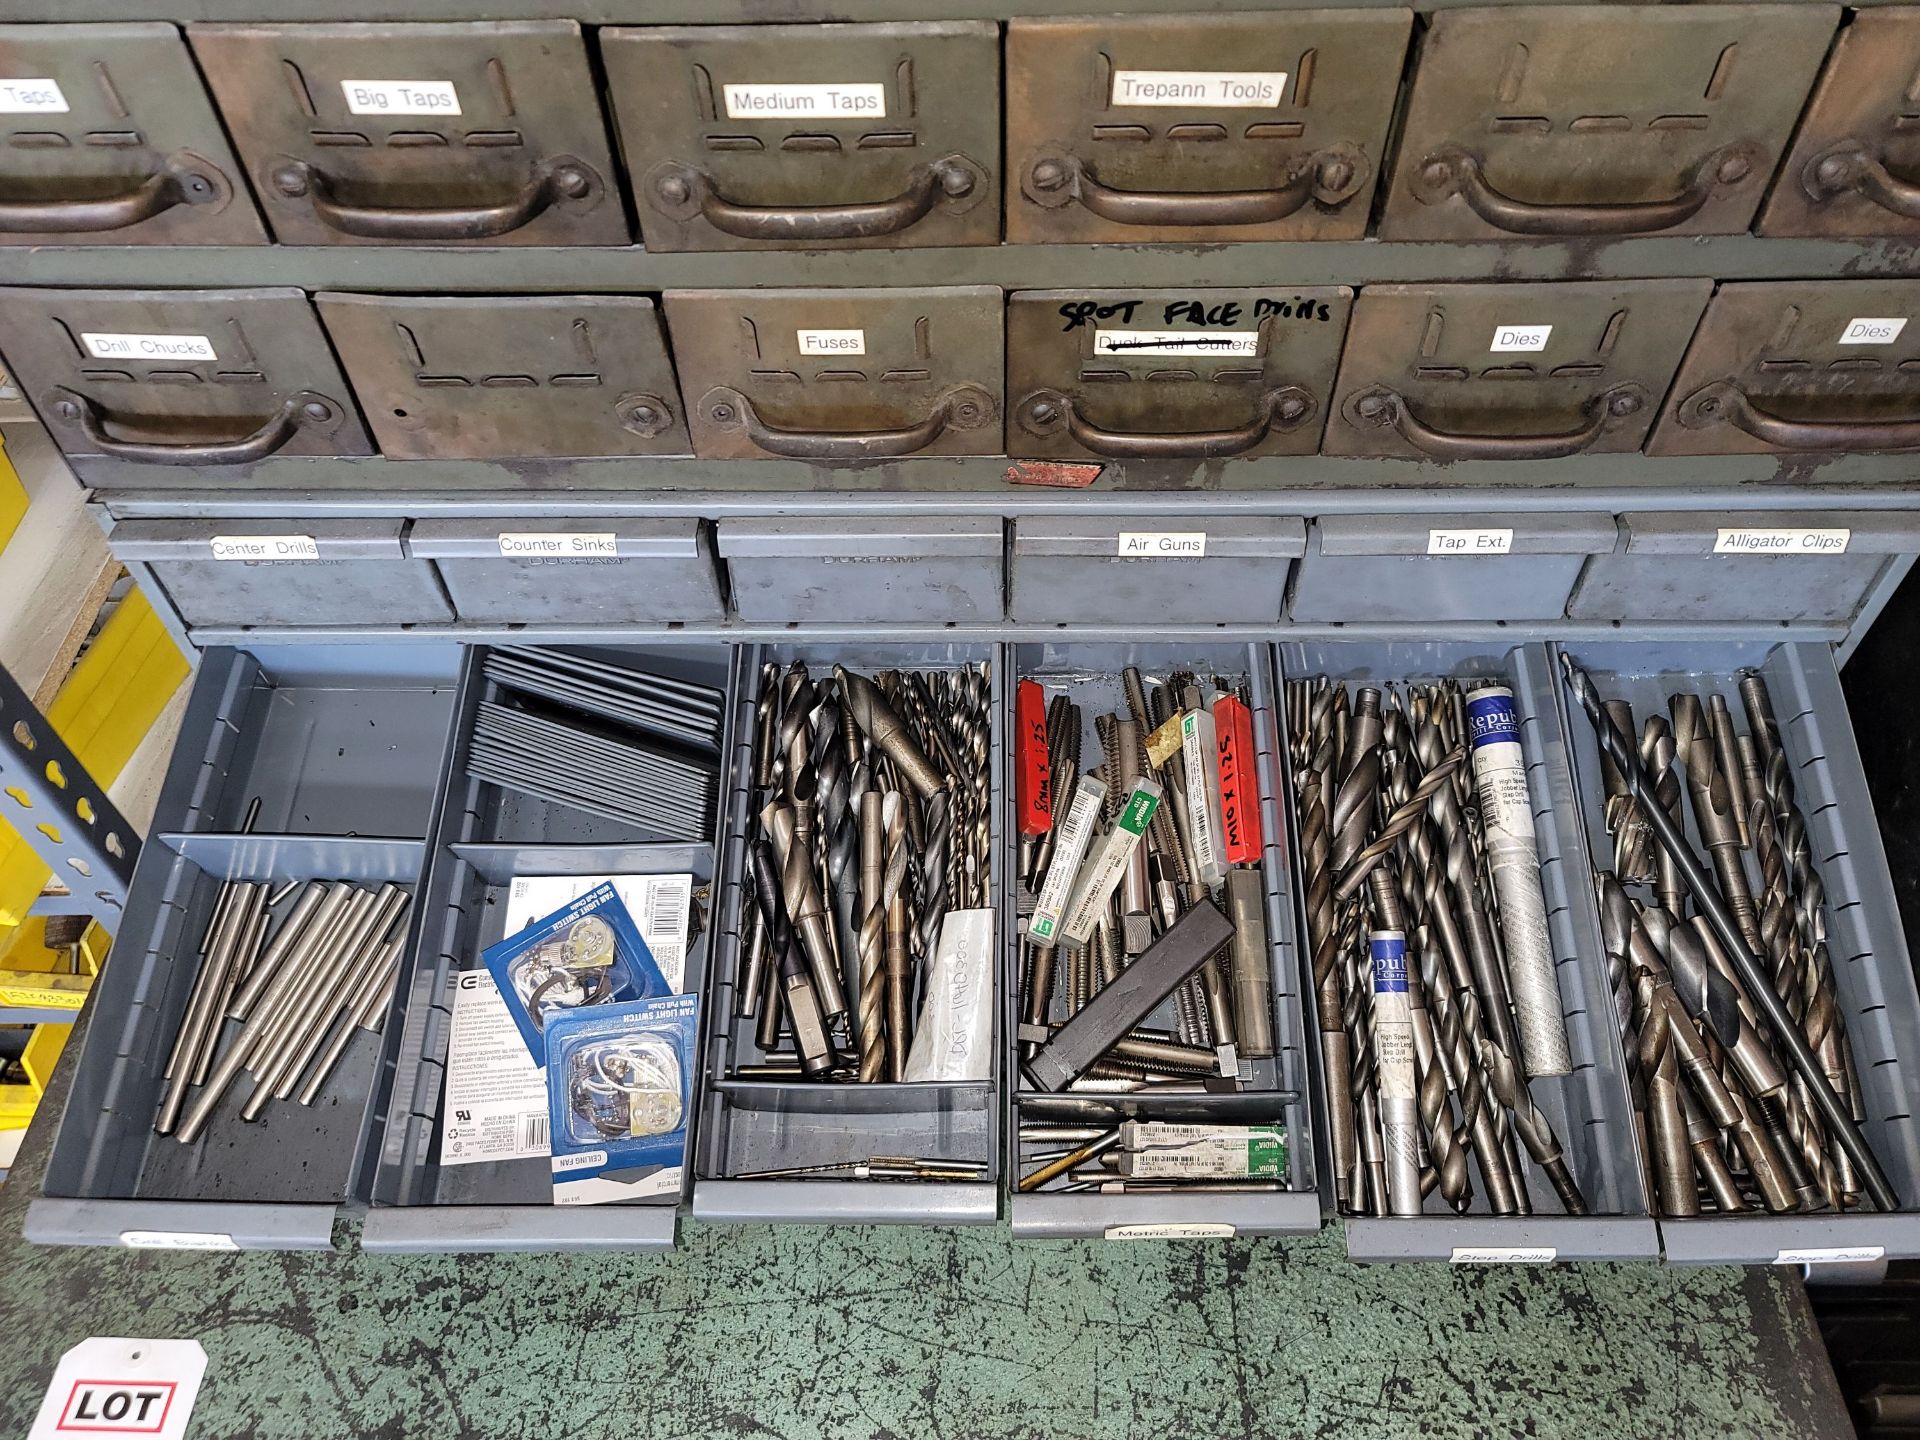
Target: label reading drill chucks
x,y
1069,849
1392,1015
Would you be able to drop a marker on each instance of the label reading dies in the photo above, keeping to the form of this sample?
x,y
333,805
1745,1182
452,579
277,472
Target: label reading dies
x,y
1781,540
1069,849
264,547
148,347
32,97
1832,1255
1469,542
832,342
177,1240
1868,331
1513,339
401,97
1212,89
559,544
1504,1254
1173,1230
784,102
1176,342
1162,544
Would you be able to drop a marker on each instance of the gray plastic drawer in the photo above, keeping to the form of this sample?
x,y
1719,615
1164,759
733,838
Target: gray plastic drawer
x,y
749,1125
1590,1109
1120,569
1445,567
284,572
573,572
332,742
1872,972
482,837
1090,674
939,568
1783,567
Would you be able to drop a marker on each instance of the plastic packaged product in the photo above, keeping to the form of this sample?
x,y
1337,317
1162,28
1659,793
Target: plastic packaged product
x,y
586,954
619,1094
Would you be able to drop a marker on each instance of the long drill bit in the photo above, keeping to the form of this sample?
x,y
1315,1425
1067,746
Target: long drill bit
x,y
870,946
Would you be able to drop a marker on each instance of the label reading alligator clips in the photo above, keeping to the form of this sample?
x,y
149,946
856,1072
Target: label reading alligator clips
x,y
1780,540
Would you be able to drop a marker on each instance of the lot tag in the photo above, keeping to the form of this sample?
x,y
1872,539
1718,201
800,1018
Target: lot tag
x,y
111,1386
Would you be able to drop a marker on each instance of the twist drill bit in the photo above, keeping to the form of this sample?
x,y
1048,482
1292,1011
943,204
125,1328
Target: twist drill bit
x,y
1713,810
934,886
1667,1143
1402,820
1704,1137
1328,1003
766,716
1357,1019
870,945
880,724
898,977
816,1051
1726,759
790,740
1352,809
1657,757
1632,842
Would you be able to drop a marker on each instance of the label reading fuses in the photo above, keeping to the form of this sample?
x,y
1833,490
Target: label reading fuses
x,y
1780,540
148,347
1508,339
559,545
1868,331
401,97
784,102
1469,542
832,342
1176,342
264,547
1215,89
32,97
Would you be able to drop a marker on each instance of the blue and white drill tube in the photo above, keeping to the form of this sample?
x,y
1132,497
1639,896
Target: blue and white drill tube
x,y
1394,1078
1513,857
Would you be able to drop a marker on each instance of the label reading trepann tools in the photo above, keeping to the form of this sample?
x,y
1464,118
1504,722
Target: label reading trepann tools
x,y
1176,342
401,97
148,347
1780,540
259,548
32,97
788,102
1469,542
832,342
1216,89
559,545
1508,339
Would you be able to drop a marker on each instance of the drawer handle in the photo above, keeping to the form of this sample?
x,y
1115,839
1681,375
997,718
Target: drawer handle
x,y
1450,172
186,181
559,181
1045,412
966,407
1725,403
682,192
1380,408
279,428
1330,176
1850,168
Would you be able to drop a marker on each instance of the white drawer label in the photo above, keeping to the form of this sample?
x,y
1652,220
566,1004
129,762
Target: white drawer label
x,y
1217,89
1504,1254
832,342
264,547
1469,542
1508,339
782,102
559,543
401,97
31,97
1176,342
1147,544
177,1240
148,347
1868,331
1173,1230
1832,1255
1780,540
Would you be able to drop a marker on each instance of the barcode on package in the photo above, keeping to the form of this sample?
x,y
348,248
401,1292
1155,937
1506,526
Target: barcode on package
x,y
533,1132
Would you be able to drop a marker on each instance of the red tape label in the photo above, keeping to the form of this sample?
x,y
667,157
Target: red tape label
x,y
1033,780
1239,781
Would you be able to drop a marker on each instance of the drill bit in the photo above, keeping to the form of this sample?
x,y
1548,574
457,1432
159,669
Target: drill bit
x,y
870,945
1713,810
882,725
898,978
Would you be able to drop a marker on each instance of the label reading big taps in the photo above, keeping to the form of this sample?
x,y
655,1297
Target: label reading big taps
x,y
1392,1015
1033,782
401,97
1239,784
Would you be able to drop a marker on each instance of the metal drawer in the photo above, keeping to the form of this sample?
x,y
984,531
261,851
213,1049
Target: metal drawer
x,y
1445,567
840,374
1785,568
111,141
573,572
1509,372
1600,120
418,134
284,572
764,137
1808,366
1151,570
179,377
1199,127
1171,374
505,376
792,570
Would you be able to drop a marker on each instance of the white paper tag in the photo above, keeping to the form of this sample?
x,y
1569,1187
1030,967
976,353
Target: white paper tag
x,y
1866,330
1215,89
401,97
1504,1254
177,1240
148,347
1781,540
659,904
32,97
1173,1230
1832,1255
832,342
109,1385
559,544
1176,342
1161,544
1509,338
795,102
264,547
1469,542
953,1039
495,1107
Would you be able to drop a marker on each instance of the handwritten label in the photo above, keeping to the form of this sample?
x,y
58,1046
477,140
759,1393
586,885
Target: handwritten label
x,y
1215,89
1469,542
1780,540
264,547
1173,1230
111,1385
1511,338
1504,1255
1146,544
780,102
401,97
832,342
148,347
1222,314
42,999
557,544
177,1240
1175,342
1867,331
1832,1255
32,97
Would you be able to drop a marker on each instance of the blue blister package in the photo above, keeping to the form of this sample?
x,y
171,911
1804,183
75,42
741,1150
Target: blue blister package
x,y
585,955
619,1096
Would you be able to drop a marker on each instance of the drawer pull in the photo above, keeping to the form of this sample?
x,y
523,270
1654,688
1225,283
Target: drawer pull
x,y
555,182
963,408
1046,411
1330,176
194,183
1380,407
1451,172
278,429
1725,403
683,192
1849,168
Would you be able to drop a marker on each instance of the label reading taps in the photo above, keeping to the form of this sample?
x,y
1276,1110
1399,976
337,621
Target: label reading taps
x,y
32,97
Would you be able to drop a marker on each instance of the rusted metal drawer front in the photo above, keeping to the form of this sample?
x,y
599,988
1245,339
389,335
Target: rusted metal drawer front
x,y
1171,374
1854,168
429,134
1201,127
1509,372
180,377
769,137
1799,367
110,140
499,376
840,374
1599,120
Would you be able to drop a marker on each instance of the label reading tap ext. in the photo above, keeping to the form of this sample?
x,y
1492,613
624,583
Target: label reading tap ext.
x,y
1215,89
1152,544
783,102
832,342
264,547
401,97
1781,540
559,544
1512,339
1469,542
32,97
148,347
1868,331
